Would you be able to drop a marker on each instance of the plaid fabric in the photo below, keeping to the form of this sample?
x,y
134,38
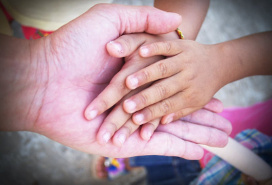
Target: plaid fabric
x,y
218,171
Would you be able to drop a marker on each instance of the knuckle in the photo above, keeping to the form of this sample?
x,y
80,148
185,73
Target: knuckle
x,y
146,75
192,97
165,107
168,145
155,123
129,128
167,47
163,91
104,104
156,48
179,114
111,126
127,41
191,75
162,68
150,113
118,86
209,138
143,97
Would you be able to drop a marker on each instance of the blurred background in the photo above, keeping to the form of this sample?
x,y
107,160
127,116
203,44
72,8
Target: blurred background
x,y
29,158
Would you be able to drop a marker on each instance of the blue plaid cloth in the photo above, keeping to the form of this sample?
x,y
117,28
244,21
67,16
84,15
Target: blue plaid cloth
x,y
217,171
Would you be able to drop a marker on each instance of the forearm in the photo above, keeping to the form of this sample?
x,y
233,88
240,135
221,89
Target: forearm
x,y
193,13
246,56
19,88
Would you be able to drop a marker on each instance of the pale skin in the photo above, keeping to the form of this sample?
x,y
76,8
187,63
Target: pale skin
x,y
193,13
47,83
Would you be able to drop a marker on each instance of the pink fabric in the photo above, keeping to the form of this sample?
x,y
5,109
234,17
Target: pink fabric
x,y
258,116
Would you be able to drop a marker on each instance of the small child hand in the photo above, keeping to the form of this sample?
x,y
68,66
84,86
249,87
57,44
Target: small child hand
x,y
184,82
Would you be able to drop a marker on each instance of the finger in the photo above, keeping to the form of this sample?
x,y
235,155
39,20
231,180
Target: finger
x,y
178,115
117,118
125,45
164,144
144,19
155,93
166,48
115,91
196,133
162,108
158,70
148,129
111,124
124,132
133,19
210,119
214,105
205,118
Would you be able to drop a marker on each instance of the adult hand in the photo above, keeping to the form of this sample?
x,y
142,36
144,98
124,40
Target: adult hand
x,y
67,69
79,67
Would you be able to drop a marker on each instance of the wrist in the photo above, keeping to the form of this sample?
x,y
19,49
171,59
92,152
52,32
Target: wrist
x,y
226,59
22,83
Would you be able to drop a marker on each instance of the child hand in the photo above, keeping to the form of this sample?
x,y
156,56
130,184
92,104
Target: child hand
x,y
184,82
117,89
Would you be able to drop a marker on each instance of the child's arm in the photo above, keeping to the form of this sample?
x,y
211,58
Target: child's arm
x,y
193,13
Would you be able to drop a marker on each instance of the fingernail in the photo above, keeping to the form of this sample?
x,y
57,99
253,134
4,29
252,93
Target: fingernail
x,y
117,46
92,114
106,137
144,51
148,135
122,138
130,106
169,119
139,118
133,82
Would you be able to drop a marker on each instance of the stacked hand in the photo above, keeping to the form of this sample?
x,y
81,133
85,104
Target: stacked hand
x,y
74,67
159,87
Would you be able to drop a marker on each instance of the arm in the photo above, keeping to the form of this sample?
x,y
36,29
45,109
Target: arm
x,y
193,13
246,56
21,88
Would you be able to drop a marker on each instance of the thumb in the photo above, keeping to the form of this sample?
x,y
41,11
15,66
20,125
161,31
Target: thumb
x,y
147,19
135,19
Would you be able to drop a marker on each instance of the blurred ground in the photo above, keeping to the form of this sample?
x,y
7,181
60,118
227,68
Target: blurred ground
x,y
28,158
